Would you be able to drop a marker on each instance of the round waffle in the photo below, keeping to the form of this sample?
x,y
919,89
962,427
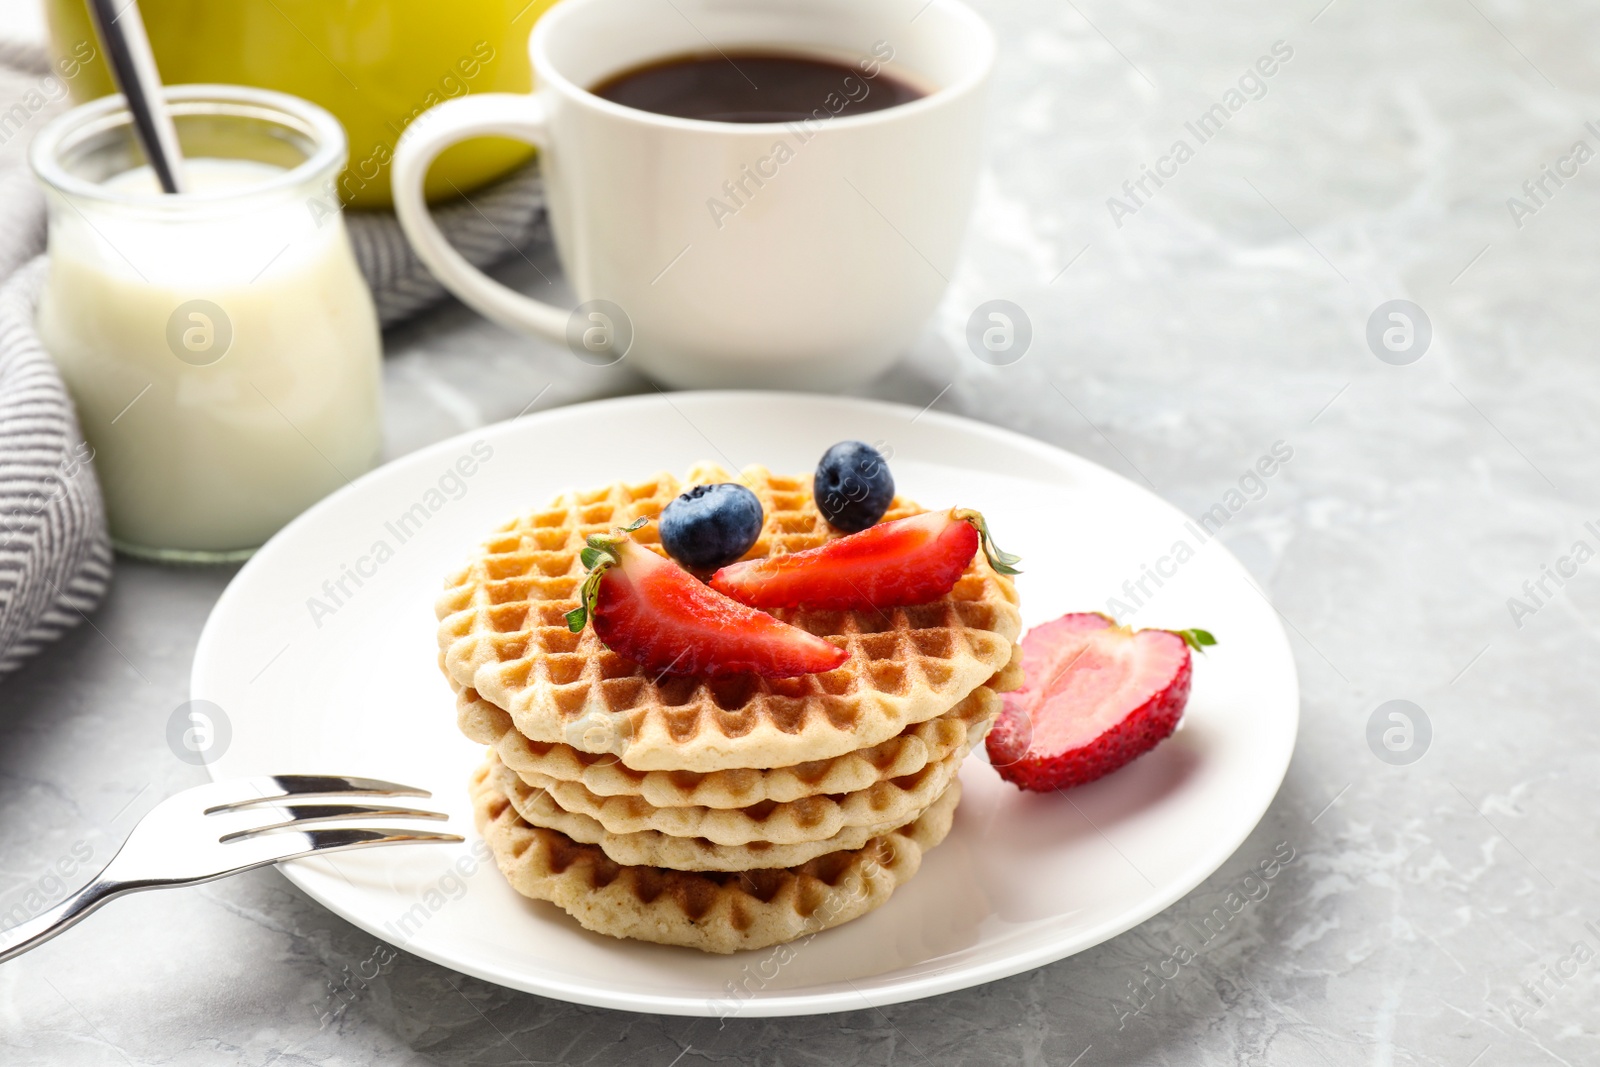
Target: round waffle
x,y
652,848
503,633
604,775
713,912
888,802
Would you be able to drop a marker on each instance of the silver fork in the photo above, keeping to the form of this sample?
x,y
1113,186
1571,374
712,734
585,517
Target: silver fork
x,y
212,831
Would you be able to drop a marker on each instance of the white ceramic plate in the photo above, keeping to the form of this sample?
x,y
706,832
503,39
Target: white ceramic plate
x,y
353,687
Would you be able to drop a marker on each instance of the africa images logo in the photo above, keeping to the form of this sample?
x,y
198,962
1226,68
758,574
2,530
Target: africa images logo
x,y
198,732
451,485
1250,87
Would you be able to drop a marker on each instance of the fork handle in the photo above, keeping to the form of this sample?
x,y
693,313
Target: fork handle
x,y
42,927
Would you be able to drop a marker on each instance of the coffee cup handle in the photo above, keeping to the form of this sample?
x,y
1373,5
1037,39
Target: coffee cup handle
x,y
515,115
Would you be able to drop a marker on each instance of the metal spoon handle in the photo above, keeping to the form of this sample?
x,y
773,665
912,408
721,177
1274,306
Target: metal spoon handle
x,y
133,65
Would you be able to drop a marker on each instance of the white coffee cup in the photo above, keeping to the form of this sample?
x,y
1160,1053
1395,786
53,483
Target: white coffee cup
x,y
703,251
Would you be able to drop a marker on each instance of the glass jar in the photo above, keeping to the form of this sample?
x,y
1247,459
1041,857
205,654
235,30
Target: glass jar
x,y
221,346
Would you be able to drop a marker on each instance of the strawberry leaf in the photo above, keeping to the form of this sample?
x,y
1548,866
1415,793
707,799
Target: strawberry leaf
x,y
579,616
1002,561
598,556
1196,639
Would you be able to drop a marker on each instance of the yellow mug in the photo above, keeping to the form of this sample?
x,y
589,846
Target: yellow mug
x,y
376,64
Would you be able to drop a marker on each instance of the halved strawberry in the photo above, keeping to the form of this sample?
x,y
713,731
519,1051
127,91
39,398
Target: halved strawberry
x,y
1096,696
657,614
907,561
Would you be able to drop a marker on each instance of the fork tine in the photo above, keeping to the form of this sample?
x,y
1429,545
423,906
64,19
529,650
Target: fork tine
x,y
299,814
345,838
274,788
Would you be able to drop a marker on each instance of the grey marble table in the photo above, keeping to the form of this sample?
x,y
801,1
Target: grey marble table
x,y
1440,912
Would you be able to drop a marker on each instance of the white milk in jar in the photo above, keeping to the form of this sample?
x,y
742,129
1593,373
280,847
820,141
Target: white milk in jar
x,y
220,345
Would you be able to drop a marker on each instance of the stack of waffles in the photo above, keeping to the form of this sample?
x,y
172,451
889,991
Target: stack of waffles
x,y
720,814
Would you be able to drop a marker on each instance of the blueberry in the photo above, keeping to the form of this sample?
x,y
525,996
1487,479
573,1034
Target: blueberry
x,y
710,526
853,486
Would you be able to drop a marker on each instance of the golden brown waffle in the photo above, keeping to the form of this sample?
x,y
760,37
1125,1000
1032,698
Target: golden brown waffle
x,y
886,803
603,775
713,912
651,848
503,633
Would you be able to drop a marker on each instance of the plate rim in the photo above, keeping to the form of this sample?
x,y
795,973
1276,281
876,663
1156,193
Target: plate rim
x,y
781,1004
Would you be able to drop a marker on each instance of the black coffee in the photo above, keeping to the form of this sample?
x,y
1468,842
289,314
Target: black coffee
x,y
748,86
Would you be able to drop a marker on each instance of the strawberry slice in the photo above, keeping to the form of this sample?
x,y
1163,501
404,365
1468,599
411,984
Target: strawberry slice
x,y
1097,696
907,561
652,611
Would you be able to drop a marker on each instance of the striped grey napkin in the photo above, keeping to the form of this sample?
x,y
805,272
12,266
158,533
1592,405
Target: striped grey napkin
x,y
55,554
485,228
55,557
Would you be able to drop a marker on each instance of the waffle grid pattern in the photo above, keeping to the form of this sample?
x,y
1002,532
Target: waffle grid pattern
x,y
604,775
885,803
503,633
712,912
649,848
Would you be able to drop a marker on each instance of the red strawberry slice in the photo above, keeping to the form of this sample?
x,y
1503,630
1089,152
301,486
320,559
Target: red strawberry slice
x,y
652,611
1097,696
907,561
